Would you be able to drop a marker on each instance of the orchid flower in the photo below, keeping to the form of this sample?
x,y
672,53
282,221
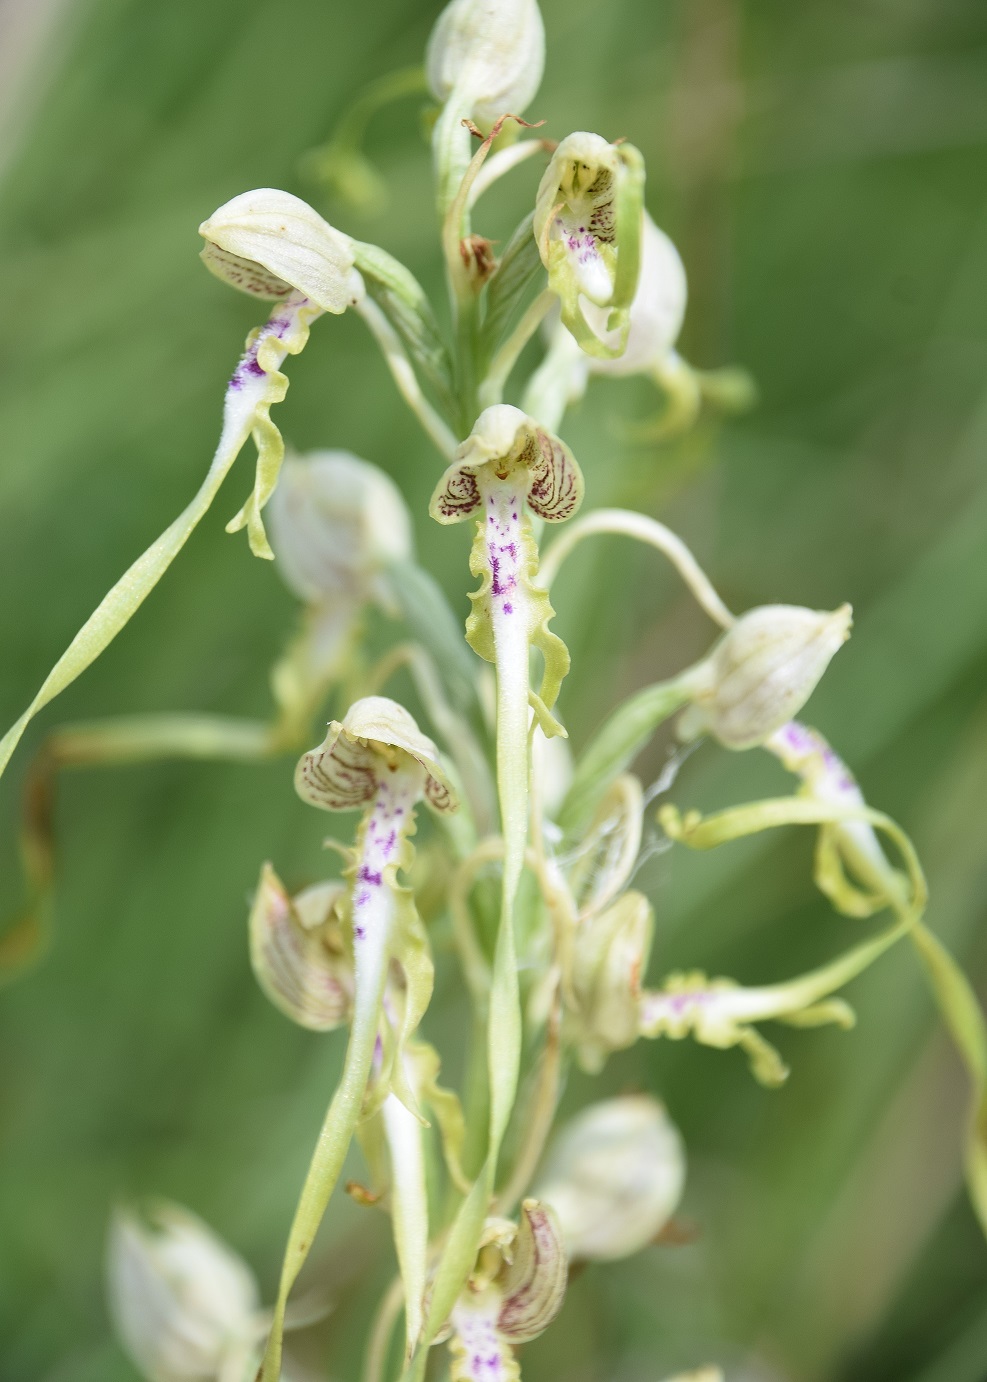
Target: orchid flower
x,y
854,872
273,246
588,226
720,1013
377,761
656,315
607,938
512,1294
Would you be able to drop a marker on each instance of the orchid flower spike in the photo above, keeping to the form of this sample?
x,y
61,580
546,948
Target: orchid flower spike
x,y
485,59
376,761
761,673
512,1295
588,224
185,1306
273,246
337,525
614,1176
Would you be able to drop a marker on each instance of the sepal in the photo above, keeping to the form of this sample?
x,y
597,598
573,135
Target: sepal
x,y
269,243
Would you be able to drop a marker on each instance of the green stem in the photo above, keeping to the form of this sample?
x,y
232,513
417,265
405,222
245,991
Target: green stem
x,y
647,530
334,1141
492,388
405,378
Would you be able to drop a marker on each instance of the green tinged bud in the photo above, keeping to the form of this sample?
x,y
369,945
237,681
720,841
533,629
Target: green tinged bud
x,y
336,523
185,1306
487,55
761,672
614,1176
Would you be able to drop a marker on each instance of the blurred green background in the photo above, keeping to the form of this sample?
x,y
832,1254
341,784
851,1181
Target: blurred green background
x,y
822,167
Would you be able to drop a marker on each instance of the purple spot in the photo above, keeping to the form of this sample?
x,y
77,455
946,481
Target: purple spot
x,y
514,515
367,875
508,609
360,932
363,898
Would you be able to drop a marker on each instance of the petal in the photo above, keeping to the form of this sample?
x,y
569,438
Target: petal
x,y
457,494
340,775
534,1284
307,979
555,489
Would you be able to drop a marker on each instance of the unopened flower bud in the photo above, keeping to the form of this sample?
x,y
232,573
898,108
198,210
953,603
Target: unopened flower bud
x,y
335,524
185,1306
611,955
614,1176
270,244
762,672
489,54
